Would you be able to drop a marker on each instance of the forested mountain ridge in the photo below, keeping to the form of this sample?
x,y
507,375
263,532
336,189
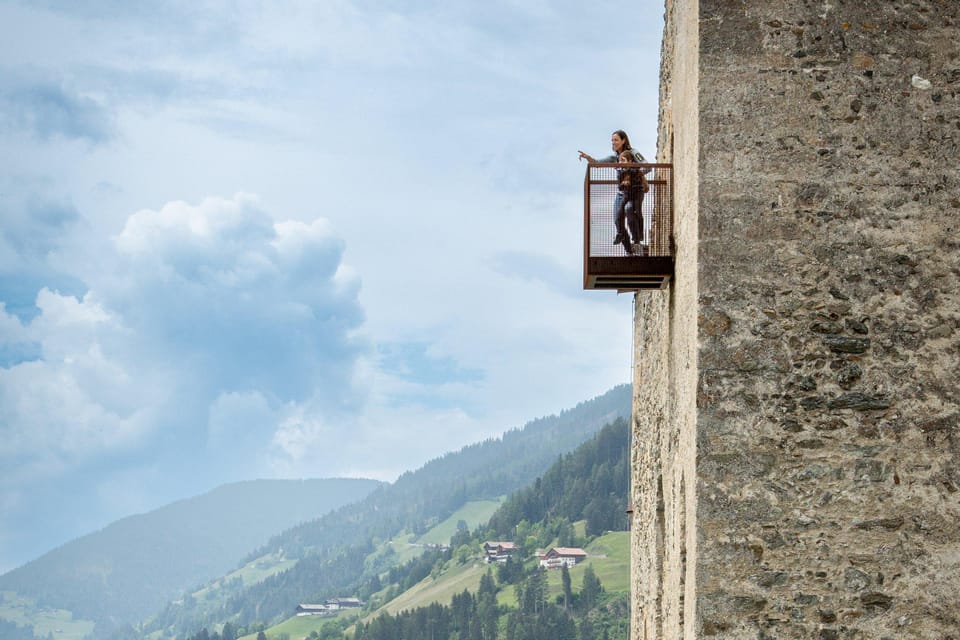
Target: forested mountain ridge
x,y
488,469
579,501
332,551
590,483
133,566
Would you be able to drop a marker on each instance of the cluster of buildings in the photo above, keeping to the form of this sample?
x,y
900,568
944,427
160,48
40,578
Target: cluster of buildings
x,y
553,558
329,608
493,551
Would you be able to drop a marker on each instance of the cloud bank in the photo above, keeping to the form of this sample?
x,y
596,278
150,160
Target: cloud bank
x,y
210,338
47,109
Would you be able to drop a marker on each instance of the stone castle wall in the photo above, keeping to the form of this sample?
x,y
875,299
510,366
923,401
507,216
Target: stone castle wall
x,y
796,440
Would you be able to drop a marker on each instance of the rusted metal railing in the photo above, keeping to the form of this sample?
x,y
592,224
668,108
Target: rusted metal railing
x,y
644,262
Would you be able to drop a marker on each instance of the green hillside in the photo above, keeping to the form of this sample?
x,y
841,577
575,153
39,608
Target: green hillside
x,y
132,567
473,513
403,548
45,621
609,557
296,627
520,600
451,580
451,591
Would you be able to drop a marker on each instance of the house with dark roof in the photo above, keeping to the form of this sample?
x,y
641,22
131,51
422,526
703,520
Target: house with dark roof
x,y
497,551
315,610
344,603
562,556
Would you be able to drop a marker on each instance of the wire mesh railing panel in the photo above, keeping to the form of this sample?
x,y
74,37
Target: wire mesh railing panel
x,y
621,219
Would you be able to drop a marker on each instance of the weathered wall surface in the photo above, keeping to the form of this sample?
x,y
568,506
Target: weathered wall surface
x,y
649,458
665,382
826,356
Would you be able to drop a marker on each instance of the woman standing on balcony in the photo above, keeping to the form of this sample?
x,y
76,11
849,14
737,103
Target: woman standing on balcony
x,y
620,143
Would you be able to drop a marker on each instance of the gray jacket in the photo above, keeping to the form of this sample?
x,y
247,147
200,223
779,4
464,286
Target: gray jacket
x,y
639,157
636,154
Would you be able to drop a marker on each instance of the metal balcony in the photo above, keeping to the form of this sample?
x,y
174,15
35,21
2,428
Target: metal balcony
x,y
609,266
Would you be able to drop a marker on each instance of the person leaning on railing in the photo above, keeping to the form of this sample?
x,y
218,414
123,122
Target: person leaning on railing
x,y
620,143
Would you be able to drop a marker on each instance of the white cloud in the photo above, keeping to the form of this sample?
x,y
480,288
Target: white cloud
x,y
298,435
45,109
78,400
200,334
253,304
12,331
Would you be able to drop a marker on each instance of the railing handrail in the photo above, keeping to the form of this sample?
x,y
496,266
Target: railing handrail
x,y
626,165
632,165
612,181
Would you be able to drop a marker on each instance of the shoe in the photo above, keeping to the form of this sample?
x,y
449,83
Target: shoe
x,y
628,247
618,239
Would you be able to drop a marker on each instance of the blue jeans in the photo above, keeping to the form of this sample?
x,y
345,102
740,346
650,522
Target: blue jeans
x,y
629,210
634,214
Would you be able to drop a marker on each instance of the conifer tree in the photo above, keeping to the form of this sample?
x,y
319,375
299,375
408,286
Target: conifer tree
x,y
591,588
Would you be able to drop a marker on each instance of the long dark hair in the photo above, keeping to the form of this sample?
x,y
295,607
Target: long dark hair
x,y
623,136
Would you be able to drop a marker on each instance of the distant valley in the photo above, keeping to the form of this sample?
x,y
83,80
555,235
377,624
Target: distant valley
x,y
243,556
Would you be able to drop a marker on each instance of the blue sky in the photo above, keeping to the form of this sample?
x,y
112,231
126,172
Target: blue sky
x,y
294,239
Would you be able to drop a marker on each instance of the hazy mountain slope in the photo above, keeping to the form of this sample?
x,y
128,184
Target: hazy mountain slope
x,y
484,470
333,549
132,567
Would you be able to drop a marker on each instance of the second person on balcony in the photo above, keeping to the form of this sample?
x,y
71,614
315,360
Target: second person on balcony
x,y
630,189
620,143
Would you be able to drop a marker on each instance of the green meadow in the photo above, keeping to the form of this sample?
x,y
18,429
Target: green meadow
x,y
473,513
56,622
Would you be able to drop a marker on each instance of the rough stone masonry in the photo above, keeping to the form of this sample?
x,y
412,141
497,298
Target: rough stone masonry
x,y
796,450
